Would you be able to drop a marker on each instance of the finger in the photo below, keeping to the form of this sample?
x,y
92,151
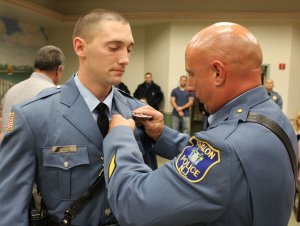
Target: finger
x,y
116,116
147,110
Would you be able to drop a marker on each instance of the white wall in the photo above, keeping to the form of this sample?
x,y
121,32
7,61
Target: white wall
x,y
293,89
134,74
157,57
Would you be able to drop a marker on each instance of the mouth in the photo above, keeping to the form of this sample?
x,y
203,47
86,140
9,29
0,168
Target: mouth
x,y
122,70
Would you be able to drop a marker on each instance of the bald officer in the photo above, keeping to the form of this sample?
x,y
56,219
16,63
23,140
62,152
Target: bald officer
x,y
237,173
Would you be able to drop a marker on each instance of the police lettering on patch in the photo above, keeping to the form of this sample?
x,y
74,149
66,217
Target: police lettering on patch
x,y
196,160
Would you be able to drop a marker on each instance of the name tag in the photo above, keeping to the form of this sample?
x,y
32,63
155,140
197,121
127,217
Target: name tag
x,y
64,149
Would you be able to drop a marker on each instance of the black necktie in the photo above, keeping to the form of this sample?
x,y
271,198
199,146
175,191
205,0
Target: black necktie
x,y
102,120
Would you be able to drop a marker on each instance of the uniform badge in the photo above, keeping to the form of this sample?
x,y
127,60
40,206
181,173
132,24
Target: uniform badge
x,y
196,160
112,166
10,124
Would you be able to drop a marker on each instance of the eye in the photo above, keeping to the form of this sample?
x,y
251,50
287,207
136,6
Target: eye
x,y
114,48
129,50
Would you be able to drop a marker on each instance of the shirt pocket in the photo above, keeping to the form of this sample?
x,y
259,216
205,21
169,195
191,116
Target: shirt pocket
x,y
66,174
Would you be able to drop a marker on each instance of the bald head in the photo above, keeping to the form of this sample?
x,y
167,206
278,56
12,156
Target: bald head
x,y
269,85
228,58
229,42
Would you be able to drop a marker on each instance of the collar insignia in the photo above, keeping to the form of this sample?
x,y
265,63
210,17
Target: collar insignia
x,y
196,160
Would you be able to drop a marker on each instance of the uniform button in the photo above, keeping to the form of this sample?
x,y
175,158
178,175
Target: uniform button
x,y
101,158
66,164
58,86
107,211
240,110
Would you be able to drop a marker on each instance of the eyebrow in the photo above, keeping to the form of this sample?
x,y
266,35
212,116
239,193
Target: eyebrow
x,y
119,42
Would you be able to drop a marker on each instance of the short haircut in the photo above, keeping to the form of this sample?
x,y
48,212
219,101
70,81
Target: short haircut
x,y
85,26
148,73
48,58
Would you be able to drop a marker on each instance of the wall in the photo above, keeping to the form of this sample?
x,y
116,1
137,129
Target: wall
x,y
134,74
293,89
157,56
62,38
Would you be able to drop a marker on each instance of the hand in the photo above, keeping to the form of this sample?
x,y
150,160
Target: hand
x,y
155,126
144,100
180,113
178,109
119,120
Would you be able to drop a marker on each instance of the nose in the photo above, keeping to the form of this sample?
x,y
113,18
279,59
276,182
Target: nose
x,y
124,58
190,85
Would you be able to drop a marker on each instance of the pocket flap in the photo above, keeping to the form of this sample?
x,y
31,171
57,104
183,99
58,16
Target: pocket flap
x,y
60,158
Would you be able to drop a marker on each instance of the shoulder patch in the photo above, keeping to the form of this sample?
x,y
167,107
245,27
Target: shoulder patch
x,y
196,160
124,93
10,123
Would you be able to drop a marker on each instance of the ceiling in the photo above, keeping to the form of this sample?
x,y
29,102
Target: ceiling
x,y
62,13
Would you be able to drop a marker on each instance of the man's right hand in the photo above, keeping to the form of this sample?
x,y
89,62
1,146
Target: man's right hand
x,y
155,126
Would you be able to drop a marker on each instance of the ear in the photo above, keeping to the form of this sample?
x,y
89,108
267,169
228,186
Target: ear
x,y
219,69
79,46
60,68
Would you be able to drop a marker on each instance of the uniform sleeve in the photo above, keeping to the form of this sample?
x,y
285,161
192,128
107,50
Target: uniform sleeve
x,y
174,194
170,143
17,170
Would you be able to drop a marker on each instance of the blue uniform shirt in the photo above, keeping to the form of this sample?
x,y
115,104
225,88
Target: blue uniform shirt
x,y
54,141
236,173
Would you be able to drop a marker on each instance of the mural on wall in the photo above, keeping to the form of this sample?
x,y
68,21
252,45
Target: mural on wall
x,y
18,45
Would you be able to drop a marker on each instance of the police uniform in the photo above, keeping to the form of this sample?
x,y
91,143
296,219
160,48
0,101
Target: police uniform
x,y
54,140
237,173
276,98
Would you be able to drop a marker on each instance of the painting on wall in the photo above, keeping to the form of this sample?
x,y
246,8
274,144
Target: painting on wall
x,y
18,43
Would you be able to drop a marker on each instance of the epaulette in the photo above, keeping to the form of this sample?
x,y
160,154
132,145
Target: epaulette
x,y
239,113
125,94
43,94
49,91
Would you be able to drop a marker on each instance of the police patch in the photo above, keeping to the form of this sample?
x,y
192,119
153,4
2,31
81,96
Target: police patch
x,y
196,160
10,124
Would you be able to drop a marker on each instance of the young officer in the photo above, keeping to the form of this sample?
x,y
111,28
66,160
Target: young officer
x,y
53,139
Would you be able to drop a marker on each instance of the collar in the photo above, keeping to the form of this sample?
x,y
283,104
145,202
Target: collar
x,y
250,98
90,99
